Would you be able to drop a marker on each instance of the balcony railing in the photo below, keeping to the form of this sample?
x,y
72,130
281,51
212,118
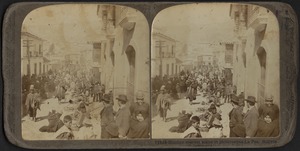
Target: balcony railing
x,y
257,15
166,55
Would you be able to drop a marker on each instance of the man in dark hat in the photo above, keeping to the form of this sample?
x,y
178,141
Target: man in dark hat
x,y
96,92
123,116
236,123
163,103
241,97
251,117
32,103
268,123
109,128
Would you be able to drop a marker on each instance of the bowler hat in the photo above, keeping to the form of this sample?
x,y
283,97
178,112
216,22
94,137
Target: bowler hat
x,y
122,97
139,95
251,99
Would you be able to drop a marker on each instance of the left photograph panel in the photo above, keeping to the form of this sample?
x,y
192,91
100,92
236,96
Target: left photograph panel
x,y
85,73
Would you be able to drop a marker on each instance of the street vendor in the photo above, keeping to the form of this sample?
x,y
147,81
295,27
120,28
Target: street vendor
x,y
139,106
268,123
193,131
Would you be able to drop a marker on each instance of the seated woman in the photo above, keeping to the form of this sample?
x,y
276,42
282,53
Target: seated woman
x,y
214,125
183,122
139,126
193,131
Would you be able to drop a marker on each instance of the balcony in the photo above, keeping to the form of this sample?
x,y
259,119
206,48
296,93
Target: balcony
x,y
166,55
257,17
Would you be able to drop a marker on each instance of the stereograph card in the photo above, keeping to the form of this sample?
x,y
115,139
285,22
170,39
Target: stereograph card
x,y
150,75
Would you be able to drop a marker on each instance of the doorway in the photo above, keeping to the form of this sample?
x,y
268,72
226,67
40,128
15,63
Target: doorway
x,y
262,56
130,53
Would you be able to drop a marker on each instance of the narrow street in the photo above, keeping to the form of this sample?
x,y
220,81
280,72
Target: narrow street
x,y
160,129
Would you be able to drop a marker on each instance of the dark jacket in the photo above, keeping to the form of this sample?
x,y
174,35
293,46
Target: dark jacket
x,y
251,121
236,123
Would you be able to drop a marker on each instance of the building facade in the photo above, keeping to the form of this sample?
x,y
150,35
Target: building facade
x,y
256,57
32,60
123,53
163,60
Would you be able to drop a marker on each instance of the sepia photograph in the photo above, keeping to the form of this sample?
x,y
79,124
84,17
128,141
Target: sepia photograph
x,y
85,73
215,72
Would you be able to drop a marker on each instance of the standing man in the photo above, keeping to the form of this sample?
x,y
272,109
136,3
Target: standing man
x,y
236,123
251,117
96,92
123,116
109,127
31,103
163,103
268,123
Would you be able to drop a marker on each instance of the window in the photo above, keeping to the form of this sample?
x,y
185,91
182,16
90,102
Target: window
x,y
40,50
173,55
40,68
43,68
172,68
35,68
167,69
261,54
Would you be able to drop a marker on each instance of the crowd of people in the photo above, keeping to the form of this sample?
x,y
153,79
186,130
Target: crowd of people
x,y
79,93
216,89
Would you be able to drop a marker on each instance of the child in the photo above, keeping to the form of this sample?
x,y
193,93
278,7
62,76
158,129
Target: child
x,y
193,131
65,132
214,125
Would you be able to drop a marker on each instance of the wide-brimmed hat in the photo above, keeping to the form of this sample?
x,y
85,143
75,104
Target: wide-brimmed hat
x,y
139,95
122,97
251,99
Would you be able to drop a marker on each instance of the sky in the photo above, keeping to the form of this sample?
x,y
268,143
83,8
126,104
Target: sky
x,y
68,26
71,26
197,25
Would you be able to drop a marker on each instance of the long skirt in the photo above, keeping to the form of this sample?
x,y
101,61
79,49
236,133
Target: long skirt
x,y
267,130
139,129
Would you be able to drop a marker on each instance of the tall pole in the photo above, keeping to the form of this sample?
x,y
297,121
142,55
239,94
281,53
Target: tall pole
x,y
28,54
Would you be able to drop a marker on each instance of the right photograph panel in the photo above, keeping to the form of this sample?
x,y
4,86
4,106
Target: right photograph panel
x,y
215,72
